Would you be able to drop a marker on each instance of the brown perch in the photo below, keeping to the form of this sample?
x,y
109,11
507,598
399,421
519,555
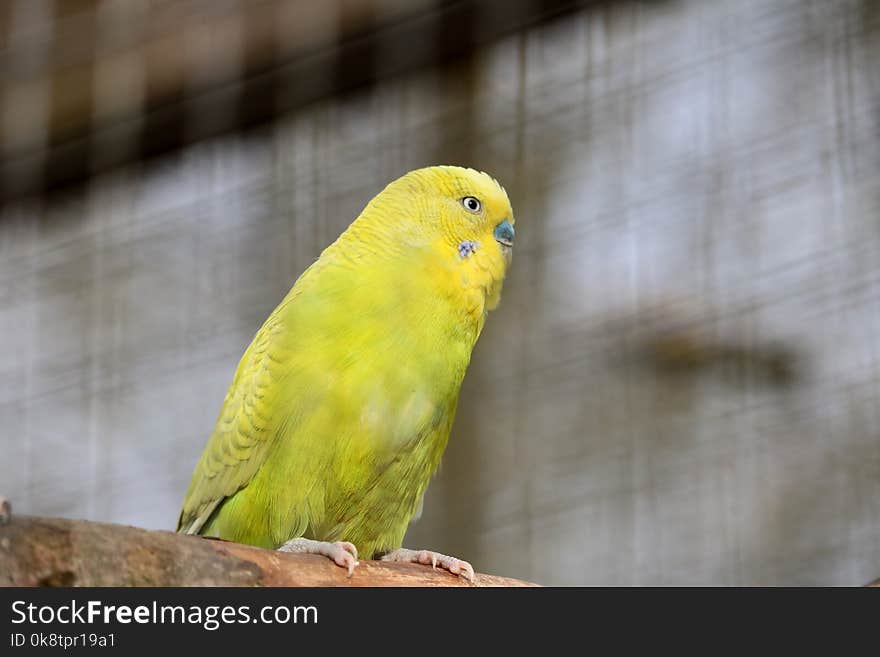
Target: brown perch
x,y
56,552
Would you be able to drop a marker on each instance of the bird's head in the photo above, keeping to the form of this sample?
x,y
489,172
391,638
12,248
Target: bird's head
x,y
460,217
441,231
462,210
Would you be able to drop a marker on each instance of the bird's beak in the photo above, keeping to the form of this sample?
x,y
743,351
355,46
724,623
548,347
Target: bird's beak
x,y
504,233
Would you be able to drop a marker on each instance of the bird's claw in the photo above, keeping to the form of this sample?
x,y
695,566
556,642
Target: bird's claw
x,y
433,559
345,555
342,553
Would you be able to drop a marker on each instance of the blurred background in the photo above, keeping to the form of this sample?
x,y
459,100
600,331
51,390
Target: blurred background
x,y
682,383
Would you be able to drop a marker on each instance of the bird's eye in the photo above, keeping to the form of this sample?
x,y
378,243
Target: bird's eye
x,y
471,204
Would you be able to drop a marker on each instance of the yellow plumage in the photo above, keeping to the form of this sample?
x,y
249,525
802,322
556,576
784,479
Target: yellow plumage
x,y
341,407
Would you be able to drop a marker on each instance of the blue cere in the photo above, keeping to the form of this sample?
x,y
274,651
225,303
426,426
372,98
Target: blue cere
x,y
504,233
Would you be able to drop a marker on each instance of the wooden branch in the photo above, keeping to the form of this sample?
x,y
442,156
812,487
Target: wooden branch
x,y
55,552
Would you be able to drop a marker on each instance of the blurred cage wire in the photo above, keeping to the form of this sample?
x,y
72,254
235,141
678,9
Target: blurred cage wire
x,y
682,383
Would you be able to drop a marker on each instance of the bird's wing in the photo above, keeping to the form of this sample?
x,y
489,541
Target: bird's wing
x,y
244,431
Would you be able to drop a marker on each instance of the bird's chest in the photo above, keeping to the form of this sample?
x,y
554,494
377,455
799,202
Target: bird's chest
x,y
401,415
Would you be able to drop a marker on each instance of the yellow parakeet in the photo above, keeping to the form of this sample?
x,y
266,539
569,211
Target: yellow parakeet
x,y
341,407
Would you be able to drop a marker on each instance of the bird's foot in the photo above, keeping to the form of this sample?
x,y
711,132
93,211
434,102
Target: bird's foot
x,y
433,559
342,553
5,510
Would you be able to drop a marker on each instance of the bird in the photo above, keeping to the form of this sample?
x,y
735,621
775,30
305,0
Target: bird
x,y
342,405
